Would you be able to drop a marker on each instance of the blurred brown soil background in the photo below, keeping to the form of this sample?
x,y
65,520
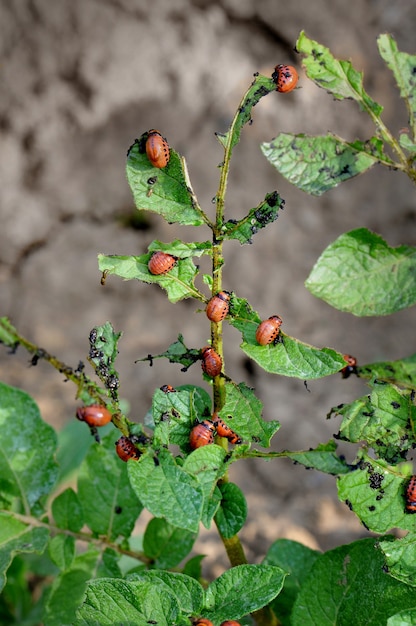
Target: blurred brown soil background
x,y
80,81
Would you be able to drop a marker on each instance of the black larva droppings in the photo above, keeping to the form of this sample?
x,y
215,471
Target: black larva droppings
x,y
395,405
376,480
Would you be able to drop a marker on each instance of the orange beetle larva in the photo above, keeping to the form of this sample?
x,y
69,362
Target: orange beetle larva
x,y
157,149
268,331
161,263
211,362
218,306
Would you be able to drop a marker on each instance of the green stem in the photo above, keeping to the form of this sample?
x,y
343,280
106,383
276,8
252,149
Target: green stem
x,y
393,143
232,545
101,542
233,548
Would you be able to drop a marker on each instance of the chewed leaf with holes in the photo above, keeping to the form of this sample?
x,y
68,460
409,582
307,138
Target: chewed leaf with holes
x,y
322,458
402,372
165,191
384,419
242,412
339,78
166,490
375,492
289,357
317,164
260,87
401,559
403,67
259,217
178,282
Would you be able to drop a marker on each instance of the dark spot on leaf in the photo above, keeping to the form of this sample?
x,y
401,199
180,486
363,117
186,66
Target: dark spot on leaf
x,y
376,480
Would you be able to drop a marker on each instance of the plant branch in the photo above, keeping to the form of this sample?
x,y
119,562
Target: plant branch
x,y
101,542
11,338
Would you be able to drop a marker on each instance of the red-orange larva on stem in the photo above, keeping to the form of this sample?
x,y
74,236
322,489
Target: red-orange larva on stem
x,y
126,449
230,622
202,434
285,77
157,149
268,331
94,415
211,362
411,495
218,306
203,621
161,263
223,430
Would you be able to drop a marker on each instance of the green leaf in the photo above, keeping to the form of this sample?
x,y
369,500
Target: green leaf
x,y
178,283
403,67
178,353
406,143
110,602
72,448
28,470
289,357
193,567
65,596
207,465
403,618
18,538
359,273
375,492
108,564
322,458
187,591
102,355
109,503
242,412
260,87
339,78
242,590
384,419
169,195
166,490
348,586
67,511
297,560
165,544
317,164
175,413
400,555
259,217
232,514
182,249
62,551
402,372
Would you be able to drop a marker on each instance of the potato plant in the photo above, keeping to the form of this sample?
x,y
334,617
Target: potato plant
x,y
68,555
